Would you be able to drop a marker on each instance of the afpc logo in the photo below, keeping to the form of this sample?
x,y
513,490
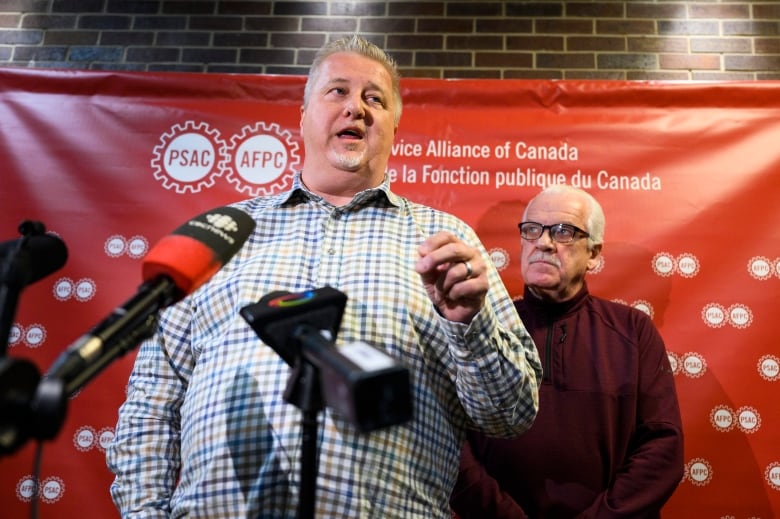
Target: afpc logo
x,y
698,471
499,257
772,474
189,157
723,418
261,159
761,268
105,437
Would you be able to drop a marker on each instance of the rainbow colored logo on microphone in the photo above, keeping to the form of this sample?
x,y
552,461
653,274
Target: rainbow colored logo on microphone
x,y
289,300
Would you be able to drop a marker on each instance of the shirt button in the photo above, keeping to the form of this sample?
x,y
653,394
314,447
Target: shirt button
x,y
331,251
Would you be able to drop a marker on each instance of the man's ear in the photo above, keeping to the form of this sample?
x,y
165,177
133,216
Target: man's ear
x,y
593,260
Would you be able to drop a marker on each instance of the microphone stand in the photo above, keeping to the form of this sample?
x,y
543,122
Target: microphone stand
x,y
303,391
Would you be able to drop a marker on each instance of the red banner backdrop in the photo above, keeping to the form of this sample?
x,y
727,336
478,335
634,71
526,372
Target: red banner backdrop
x,y
688,174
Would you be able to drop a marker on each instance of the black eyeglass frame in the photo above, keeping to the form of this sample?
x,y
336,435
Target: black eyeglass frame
x,y
553,231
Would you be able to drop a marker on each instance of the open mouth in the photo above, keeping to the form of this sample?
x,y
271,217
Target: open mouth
x,y
350,133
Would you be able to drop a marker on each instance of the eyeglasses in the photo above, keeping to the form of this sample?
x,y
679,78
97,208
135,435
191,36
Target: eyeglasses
x,y
559,232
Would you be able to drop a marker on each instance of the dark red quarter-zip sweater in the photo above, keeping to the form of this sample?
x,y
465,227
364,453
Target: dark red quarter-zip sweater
x,y
607,441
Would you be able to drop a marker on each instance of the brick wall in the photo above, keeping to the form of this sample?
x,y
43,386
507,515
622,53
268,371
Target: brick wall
x,y
609,39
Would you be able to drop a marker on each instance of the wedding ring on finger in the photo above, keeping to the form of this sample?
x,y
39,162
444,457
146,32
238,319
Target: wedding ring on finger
x,y
469,270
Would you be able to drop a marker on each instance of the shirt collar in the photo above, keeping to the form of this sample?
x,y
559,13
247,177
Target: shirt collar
x,y
299,193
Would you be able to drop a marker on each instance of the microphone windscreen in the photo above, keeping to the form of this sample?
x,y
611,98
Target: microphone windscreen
x,y
199,248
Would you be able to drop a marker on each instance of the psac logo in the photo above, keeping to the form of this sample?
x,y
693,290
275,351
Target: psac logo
x,y
258,161
769,368
693,365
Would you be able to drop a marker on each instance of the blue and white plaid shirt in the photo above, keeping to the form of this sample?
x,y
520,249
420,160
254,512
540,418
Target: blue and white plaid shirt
x,y
205,430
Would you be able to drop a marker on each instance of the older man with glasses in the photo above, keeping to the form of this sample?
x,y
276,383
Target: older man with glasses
x,y
607,441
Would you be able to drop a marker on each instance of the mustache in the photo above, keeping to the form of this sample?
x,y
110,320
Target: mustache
x,y
541,257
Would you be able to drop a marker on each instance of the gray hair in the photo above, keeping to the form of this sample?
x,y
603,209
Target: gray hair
x,y
358,45
594,222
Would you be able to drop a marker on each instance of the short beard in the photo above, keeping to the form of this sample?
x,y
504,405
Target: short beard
x,y
349,162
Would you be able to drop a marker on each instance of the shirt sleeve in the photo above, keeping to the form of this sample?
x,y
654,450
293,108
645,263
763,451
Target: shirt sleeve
x,y
498,370
655,466
144,454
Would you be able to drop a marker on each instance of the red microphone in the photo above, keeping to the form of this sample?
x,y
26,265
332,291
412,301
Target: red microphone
x,y
175,267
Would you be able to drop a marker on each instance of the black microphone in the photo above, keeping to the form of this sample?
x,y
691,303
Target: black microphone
x,y
362,383
24,261
175,267
40,256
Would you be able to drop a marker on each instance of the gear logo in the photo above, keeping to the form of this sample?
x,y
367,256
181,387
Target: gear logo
x,y
35,335
115,246
714,315
105,437
27,488
84,438
698,471
722,418
15,335
664,264
52,489
499,257
748,419
687,265
772,474
760,267
740,316
769,368
189,157
693,365
262,159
